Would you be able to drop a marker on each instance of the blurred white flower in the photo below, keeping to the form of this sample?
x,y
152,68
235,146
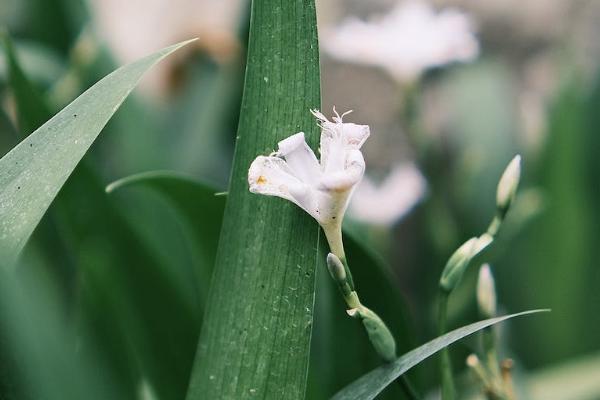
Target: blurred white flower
x,y
410,39
386,203
321,189
135,28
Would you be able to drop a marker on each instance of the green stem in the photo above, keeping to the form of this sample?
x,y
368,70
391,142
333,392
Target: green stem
x,y
333,233
495,225
448,388
491,352
407,387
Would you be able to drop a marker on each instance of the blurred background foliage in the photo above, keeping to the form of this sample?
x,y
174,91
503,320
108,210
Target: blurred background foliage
x,y
110,289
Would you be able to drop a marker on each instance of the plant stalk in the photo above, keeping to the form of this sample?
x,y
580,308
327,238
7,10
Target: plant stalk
x,y
448,387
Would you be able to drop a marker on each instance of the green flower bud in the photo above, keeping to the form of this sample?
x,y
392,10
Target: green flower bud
x,y
380,336
459,261
336,268
508,184
486,292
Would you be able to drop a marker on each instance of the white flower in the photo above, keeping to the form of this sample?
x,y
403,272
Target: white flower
x,y
323,188
405,42
134,28
386,203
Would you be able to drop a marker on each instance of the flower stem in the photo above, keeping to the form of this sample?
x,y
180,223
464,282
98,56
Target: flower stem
x,y
448,388
491,355
333,233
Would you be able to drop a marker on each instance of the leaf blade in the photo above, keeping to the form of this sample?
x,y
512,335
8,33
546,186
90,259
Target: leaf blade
x,y
33,172
256,332
370,385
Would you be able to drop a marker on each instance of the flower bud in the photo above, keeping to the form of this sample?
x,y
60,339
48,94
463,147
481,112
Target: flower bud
x,y
508,184
486,292
379,334
459,261
336,268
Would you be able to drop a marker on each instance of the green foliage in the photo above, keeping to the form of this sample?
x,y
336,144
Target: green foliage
x,y
200,211
371,384
256,332
33,172
341,351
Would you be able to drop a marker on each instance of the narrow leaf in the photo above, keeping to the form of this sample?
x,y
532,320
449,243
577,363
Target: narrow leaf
x,y
33,172
371,384
256,332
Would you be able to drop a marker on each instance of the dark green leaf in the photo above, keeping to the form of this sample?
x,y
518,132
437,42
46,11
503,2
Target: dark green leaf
x,y
201,211
256,333
32,110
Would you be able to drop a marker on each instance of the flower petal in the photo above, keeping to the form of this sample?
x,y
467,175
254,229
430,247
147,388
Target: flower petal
x,y
272,176
348,177
388,202
336,139
300,158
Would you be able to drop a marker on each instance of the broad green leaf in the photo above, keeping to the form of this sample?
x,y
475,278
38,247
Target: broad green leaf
x,y
256,332
33,172
371,384
37,345
201,211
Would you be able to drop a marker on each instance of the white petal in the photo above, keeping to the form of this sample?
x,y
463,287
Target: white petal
x,y
337,138
300,158
386,203
355,135
407,40
272,176
349,176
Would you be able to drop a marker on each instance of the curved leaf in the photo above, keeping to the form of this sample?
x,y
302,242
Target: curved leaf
x,y
33,172
371,384
201,211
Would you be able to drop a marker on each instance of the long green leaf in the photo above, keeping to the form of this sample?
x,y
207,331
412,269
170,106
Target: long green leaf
x,y
371,384
33,172
255,336
201,211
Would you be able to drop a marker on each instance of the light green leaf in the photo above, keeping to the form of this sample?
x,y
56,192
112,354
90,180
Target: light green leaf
x,y
371,384
256,332
33,172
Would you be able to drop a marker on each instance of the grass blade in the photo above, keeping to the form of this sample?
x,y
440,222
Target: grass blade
x,y
256,333
371,384
33,172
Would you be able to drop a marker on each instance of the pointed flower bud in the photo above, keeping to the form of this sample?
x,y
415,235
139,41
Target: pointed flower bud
x,y
336,268
486,292
459,261
379,334
508,184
